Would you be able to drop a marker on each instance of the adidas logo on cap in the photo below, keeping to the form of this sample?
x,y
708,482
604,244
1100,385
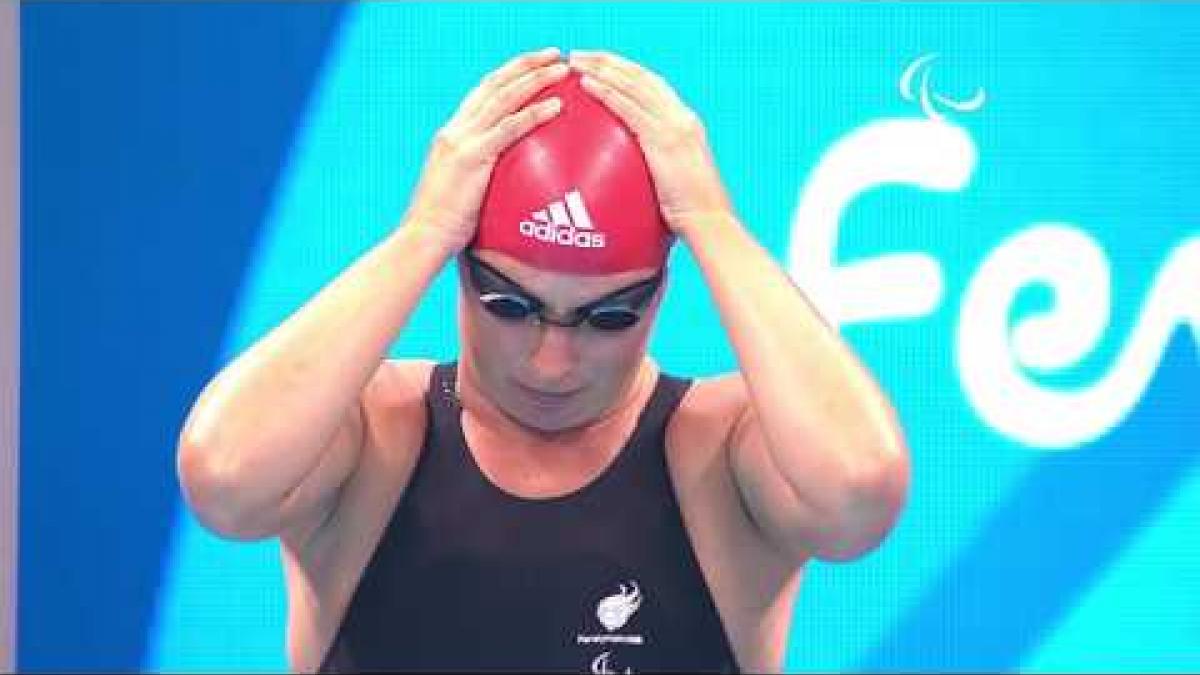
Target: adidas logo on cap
x,y
564,222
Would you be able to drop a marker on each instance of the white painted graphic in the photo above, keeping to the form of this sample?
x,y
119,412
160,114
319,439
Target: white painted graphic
x,y
992,359
993,362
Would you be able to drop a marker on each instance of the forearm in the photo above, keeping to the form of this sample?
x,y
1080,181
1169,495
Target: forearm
x,y
829,428
264,420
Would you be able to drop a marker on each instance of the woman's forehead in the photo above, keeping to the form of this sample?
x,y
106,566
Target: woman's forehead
x,y
561,287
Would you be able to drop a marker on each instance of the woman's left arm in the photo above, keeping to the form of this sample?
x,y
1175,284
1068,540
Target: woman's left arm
x,y
817,451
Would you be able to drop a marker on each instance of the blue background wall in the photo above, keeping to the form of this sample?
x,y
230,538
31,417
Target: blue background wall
x,y
192,173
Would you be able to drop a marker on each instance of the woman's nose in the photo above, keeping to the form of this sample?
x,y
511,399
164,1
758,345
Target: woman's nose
x,y
554,353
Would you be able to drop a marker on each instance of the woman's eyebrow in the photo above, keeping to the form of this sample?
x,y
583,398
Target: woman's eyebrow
x,y
501,280
624,290
498,276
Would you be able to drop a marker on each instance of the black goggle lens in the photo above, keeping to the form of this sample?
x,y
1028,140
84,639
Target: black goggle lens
x,y
507,307
515,308
612,318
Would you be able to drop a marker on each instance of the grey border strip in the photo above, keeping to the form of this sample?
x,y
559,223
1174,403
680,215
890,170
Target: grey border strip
x,y
10,323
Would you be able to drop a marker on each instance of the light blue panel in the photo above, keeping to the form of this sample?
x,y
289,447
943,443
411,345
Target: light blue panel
x,y
1084,125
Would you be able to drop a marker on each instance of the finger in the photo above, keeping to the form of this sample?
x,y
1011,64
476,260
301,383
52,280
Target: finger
x,y
608,59
520,64
514,68
619,82
515,94
641,82
637,118
514,126
623,84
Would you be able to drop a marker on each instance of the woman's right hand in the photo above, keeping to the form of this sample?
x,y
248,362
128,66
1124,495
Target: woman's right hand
x,y
489,120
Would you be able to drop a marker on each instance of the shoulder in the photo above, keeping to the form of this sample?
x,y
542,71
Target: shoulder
x,y
393,406
393,419
711,407
401,378
398,385
397,380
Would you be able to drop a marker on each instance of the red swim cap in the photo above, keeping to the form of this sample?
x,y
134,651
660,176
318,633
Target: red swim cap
x,y
574,195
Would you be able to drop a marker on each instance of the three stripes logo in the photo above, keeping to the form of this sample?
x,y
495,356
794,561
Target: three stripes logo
x,y
564,222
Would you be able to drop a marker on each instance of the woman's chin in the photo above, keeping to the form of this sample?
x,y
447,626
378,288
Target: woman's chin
x,y
545,422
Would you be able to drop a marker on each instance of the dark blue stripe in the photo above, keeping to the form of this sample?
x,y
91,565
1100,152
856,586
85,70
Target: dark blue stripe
x,y
153,136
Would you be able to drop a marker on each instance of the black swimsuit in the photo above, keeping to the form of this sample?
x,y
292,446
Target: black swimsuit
x,y
469,577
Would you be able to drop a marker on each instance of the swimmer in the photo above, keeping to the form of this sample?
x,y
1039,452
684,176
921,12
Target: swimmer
x,y
550,500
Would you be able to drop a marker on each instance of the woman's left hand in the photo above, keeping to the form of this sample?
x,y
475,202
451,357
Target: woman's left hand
x,y
672,137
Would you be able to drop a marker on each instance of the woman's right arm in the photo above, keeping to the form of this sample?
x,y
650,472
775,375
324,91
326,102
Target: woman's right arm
x,y
271,439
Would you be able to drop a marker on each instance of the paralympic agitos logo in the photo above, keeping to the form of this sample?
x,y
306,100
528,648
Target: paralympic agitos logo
x,y
993,359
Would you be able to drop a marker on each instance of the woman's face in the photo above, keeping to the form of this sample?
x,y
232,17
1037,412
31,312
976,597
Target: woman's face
x,y
546,377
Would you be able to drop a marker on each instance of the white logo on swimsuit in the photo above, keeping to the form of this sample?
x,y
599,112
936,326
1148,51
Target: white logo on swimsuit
x,y
600,665
615,610
564,222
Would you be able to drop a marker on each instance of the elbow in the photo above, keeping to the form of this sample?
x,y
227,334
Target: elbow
x,y
872,499
214,494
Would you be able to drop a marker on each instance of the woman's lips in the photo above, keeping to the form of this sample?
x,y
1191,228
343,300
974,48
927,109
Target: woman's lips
x,y
548,398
